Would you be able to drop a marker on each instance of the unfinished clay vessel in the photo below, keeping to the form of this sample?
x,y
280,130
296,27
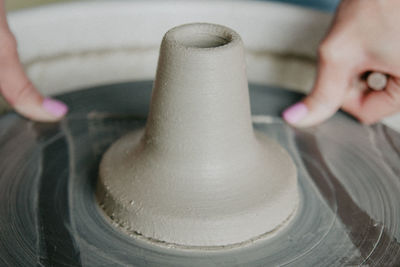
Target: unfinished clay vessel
x,y
198,174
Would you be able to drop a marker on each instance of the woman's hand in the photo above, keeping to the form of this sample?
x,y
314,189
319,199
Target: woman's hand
x,y
15,85
364,37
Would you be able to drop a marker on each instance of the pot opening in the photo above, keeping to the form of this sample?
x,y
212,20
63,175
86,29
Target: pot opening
x,y
202,37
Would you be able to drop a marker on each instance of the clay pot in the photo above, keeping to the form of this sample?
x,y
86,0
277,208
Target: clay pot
x,y
198,174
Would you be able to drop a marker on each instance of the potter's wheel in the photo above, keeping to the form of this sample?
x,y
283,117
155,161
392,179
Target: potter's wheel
x,y
349,180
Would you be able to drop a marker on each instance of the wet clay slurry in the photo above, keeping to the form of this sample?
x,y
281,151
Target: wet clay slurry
x,y
198,175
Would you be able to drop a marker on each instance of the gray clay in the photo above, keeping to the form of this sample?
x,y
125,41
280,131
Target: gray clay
x,y
198,175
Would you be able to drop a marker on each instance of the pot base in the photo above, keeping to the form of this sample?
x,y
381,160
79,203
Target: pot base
x,y
195,208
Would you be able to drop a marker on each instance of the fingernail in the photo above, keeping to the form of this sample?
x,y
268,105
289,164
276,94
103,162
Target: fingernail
x,y
295,113
55,107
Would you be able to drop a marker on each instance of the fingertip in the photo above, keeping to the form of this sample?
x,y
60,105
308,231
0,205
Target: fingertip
x,y
42,109
55,107
364,118
367,121
295,113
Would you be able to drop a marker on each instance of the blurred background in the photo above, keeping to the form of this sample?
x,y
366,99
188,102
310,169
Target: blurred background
x,y
327,5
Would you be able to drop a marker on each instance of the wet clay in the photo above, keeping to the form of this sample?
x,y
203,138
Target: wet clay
x,y
198,174
49,216
377,81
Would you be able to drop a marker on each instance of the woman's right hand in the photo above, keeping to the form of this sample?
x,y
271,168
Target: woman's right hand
x,y
364,37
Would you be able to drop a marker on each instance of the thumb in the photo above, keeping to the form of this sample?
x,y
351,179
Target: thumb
x,y
328,93
19,91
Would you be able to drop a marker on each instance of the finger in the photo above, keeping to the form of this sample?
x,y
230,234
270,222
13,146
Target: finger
x,y
372,106
19,91
326,97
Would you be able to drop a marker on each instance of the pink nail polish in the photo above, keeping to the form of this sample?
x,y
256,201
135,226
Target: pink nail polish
x,y
295,113
55,107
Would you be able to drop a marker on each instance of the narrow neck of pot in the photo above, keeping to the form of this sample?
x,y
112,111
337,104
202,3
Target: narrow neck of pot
x,y
200,103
